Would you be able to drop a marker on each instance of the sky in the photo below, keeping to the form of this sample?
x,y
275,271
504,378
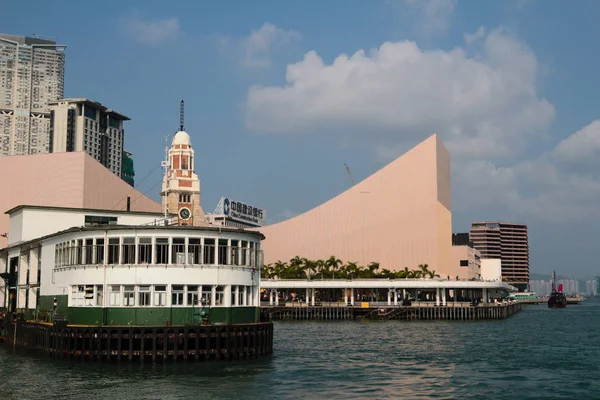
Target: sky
x,y
280,94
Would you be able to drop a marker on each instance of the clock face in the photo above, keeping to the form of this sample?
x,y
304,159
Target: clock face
x,y
184,213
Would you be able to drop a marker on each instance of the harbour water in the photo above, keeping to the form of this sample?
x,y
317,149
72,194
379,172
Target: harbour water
x,y
537,353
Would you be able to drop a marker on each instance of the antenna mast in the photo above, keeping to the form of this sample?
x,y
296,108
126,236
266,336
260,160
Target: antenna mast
x,y
165,165
181,116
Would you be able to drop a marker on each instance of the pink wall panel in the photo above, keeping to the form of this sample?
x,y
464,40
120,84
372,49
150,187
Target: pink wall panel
x,y
63,180
396,217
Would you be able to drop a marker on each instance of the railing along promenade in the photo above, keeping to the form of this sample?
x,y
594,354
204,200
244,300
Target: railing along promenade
x,y
469,300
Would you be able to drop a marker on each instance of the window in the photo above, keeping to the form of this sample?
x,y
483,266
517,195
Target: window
x,y
223,252
99,295
235,253
96,220
220,296
244,253
128,248
464,263
209,251
144,296
177,295
241,295
129,296
89,295
78,295
233,288
160,295
79,252
115,295
194,251
145,250
192,295
206,294
184,162
89,251
185,198
113,250
99,259
162,250
178,251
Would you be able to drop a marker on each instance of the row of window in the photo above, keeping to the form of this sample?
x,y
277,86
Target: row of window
x,y
145,250
162,295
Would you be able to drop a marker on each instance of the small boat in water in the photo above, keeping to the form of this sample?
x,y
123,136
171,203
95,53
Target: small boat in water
x,y
557,298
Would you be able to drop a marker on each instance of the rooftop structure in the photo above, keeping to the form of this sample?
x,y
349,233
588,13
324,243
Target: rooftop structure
x,y
31,75
234,213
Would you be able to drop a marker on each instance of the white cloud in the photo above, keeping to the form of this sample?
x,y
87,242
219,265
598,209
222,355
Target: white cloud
x,y
150,31
583,145
479,34
256,50
484,105
543,189
428,17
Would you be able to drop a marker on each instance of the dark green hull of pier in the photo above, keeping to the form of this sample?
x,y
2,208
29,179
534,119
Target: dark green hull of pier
x,y
405,313
142,344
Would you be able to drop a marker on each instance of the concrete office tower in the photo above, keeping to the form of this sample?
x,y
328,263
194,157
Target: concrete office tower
x,y
31,75
86,125
508,242
399,217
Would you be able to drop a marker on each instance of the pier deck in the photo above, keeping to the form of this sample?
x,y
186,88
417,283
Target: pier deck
x,y
458,312
141,343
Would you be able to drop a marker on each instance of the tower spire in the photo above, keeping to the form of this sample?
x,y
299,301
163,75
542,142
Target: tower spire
x,y
181,116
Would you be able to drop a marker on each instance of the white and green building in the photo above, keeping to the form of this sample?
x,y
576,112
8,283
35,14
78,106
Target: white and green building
x,y
98,267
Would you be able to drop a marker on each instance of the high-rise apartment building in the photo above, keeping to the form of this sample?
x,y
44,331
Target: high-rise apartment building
x,y
508,242
31,75
86,125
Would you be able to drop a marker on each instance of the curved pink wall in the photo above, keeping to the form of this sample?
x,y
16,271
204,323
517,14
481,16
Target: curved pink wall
x,y
399,216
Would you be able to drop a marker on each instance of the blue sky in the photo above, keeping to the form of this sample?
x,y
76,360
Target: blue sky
x,y
278,99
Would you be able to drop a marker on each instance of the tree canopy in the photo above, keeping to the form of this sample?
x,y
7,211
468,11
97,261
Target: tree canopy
x,y
333,267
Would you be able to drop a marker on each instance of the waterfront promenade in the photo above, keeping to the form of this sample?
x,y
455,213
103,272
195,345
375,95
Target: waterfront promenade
x,y
405,299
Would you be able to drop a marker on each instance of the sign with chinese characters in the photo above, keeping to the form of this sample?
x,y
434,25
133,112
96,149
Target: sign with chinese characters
x,y
241,212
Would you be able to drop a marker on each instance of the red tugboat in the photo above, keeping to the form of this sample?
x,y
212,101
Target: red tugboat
x,y
557,298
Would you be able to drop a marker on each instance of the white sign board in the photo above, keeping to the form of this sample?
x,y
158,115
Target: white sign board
x,y
242,212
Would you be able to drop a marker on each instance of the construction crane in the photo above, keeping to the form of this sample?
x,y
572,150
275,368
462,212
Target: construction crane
x,y
350,174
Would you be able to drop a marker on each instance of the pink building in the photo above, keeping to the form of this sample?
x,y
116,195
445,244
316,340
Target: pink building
x,y
64,180
400,217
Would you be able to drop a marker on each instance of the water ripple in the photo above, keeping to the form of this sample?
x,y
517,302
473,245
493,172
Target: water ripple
x,y
538,353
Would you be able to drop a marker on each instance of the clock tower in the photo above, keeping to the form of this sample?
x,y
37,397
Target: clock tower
x,y
181,186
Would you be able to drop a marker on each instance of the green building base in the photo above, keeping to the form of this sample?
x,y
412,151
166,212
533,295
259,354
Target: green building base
x,y
142,316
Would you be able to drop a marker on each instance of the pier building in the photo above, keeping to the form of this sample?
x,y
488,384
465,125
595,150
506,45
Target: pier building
x,y
404,299
123,268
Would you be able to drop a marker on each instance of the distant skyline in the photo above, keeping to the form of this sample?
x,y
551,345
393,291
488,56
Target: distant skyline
x,y
279,95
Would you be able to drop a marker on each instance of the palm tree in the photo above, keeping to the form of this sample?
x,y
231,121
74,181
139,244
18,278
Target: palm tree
x,y
333,264
352,270
423,270
280,270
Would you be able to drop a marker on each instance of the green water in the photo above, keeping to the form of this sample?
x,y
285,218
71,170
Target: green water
x,y
535,354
